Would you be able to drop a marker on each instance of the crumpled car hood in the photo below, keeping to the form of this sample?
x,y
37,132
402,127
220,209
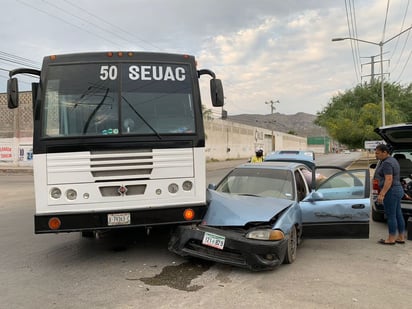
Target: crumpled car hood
x,y
237,210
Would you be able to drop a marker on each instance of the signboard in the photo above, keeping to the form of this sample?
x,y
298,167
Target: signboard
x,y
6,153
373,144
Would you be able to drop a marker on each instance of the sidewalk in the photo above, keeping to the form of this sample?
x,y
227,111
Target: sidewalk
x,y
216,165
16,170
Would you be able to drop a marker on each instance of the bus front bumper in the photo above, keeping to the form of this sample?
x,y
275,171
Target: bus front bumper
x,y
93,221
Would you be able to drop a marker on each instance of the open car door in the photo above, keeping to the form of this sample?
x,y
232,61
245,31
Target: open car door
x,y
339,207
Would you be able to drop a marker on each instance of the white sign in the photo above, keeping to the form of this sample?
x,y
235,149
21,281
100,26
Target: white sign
x,y
373,144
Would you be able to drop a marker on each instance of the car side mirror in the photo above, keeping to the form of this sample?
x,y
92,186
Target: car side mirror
x,y
211,186
373,165
314,196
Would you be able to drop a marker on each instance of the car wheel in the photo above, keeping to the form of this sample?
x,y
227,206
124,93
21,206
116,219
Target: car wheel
x,y
292,247
377,216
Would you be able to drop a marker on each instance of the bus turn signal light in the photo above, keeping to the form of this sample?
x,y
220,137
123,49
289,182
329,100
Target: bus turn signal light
x,y
189,214
54,223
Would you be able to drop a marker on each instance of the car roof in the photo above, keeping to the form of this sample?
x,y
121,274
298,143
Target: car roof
x,y
297,156
272,165
397,136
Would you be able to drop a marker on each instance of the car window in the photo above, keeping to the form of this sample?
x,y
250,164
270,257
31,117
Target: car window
x,y
344,185
301,187
259,182
404,159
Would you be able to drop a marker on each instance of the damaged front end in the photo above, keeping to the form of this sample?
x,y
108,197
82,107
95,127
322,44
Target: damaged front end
x,y
227,245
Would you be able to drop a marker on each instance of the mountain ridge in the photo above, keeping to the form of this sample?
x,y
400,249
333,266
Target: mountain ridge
x,y
301,124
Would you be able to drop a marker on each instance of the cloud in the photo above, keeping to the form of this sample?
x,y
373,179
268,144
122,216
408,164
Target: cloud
x,y
262,50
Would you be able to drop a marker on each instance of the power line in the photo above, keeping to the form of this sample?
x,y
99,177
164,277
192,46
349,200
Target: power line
x,y
386,19
406,63
111,25
87,21
403,23
19,60
404,44
67,22
354,57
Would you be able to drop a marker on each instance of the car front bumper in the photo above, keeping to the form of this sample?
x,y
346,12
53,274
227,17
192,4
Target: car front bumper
x,y
237,251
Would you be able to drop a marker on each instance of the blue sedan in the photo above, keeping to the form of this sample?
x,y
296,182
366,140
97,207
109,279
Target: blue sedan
x,y
258,214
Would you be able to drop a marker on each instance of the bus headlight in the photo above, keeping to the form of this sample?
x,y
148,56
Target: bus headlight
x,y
173,188
71,194
187,185
55,193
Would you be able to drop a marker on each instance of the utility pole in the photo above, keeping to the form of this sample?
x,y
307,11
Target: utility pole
x,y
272,109
372,64
380,44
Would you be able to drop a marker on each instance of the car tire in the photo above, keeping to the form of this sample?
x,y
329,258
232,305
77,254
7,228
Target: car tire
x,y
378,216
292,246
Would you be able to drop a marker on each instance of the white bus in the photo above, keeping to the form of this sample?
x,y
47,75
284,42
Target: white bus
x,y
118,140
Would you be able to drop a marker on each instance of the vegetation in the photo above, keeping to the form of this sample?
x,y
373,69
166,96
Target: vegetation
x,y
207,113
351,117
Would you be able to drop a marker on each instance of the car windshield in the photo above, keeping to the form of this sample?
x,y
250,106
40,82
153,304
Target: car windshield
x,y
259,182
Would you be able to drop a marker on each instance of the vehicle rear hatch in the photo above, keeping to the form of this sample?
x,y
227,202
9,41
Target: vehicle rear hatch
x,y
398,136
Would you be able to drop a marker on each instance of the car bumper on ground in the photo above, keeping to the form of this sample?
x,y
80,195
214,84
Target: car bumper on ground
x,y
237,250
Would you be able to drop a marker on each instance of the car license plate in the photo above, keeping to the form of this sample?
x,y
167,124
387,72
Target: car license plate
x,y
118,219
213,240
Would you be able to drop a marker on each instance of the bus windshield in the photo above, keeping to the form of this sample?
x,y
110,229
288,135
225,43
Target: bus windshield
x,y
97,99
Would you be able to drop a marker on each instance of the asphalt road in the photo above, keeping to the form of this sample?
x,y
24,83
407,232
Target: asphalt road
x,y
133,270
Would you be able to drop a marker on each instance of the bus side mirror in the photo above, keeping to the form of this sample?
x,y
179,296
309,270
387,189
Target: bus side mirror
x,y
12,93
216,92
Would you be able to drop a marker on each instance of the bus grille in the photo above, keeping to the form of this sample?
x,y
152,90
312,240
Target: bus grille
x,y
125,165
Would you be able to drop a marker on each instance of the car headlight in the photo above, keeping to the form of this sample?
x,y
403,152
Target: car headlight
x,y
266,235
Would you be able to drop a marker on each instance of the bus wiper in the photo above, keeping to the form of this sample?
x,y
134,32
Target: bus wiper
x,y
86,126
142,118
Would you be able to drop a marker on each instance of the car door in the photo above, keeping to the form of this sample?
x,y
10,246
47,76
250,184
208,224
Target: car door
x,y
339,207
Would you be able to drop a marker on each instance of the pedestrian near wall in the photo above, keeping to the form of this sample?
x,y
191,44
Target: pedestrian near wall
x,y
391,191
258,157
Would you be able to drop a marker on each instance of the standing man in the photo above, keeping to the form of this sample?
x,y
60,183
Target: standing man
x,y
390,195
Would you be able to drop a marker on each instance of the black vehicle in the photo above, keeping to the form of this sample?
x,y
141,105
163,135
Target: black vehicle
x,y
399,139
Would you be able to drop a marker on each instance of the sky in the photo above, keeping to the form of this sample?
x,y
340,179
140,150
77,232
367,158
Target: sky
x,y
262,50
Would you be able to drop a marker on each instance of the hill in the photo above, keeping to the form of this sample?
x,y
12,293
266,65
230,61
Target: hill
x,y
301,124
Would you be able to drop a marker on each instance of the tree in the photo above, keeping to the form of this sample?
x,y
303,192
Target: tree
x,y
207,113
351,117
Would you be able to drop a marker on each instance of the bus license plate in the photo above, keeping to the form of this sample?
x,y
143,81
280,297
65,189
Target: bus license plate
x,y
213,240
118,219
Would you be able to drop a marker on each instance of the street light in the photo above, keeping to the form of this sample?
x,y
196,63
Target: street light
x,y
272,108
380,44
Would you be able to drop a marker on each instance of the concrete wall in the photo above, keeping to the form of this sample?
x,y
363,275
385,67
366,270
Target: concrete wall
x,y
230,140
224,139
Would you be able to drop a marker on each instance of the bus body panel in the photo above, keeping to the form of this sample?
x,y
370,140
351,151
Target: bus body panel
x,y
105,196
118,137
